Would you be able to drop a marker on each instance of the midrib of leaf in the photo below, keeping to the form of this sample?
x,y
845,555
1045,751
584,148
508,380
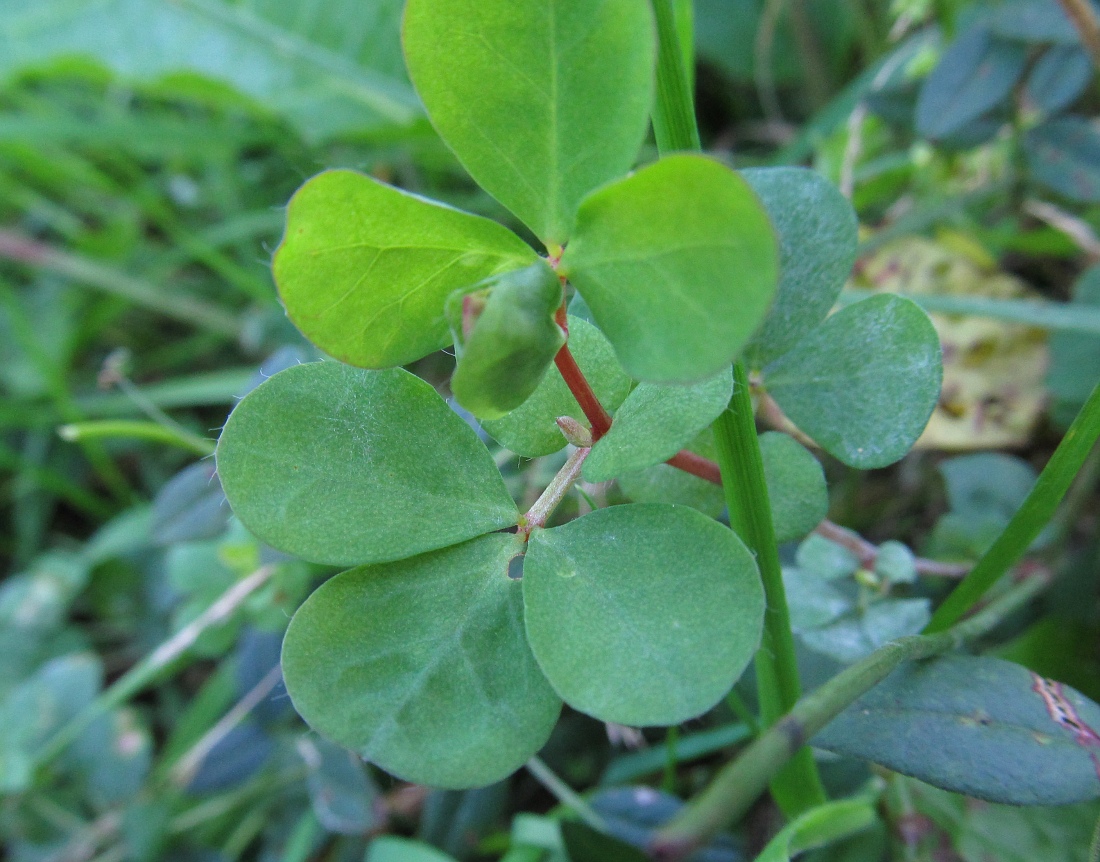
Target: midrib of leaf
x,y
555,131
444,650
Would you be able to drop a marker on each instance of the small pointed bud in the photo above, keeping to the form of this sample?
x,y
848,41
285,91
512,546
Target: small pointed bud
x,y
574,432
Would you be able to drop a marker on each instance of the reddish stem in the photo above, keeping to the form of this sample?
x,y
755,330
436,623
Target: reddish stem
x,y
697,465
706,469
578,384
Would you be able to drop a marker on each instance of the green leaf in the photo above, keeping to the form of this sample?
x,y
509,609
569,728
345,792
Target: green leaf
x,y
421,666
678,264
896,563
512,343
343,466
825,558
1031,21
987,484
1006,833
864,383
664,484
817,827
387,848
642,614
979,726
365,269
37,708
864,630
1059,76
531,429
655,422
341,792
542,101
1064,155
334,71
818,234
1075,358
976,72
813,602
796,486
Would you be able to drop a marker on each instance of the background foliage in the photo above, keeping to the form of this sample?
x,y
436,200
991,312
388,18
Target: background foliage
x,y
147,153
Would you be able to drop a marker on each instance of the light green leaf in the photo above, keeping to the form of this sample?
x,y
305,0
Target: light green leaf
x,y
655,422
976,725
812,601
642,615
365,269
387,848
896,563
864,383
335,70
664,484
422,667
826,559
343,466
511,344
817,827
796,486
531,429
678,264
541,101
818,234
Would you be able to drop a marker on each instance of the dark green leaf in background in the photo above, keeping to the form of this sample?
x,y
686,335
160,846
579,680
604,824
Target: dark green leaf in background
x,y
343,466
585,844
531,429
341,792
863,384
655,422
1064,155
422,666
678,264
1059,76
978,726
1075,357
976,72
818,233
796,486
541,101
511,345
642,614
1031,21
365,269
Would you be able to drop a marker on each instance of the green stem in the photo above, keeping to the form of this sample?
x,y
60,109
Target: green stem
x,y
674,113
799,787
1029,520
555,492
185,309
565,794
737,785
152,431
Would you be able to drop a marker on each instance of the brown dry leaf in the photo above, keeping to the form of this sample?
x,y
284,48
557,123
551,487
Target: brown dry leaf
x,y
993,372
